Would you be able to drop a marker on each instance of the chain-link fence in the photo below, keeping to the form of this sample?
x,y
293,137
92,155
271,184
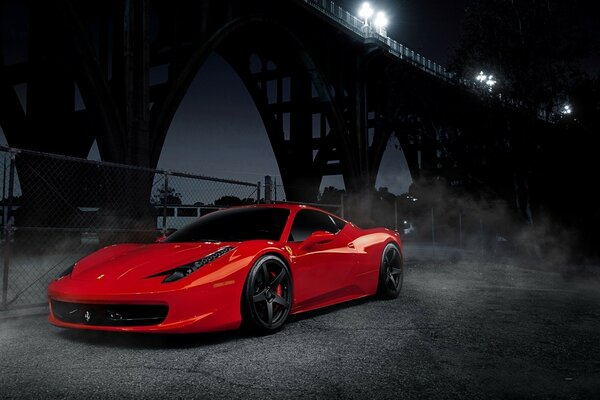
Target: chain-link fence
x,y
431,230
56,209
442,231
275,193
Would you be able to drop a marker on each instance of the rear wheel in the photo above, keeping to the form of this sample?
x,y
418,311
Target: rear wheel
x,y
391,272
267,297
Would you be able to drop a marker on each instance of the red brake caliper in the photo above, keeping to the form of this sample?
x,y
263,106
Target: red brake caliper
x,y
278,290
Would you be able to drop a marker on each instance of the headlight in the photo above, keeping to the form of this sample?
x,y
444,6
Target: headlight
x,y
176,274
66,272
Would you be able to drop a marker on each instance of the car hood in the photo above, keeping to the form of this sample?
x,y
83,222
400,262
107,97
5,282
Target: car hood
x,y
139,261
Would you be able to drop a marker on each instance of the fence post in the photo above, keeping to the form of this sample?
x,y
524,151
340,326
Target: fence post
x,y
432,232
460,230
432,227
258,192
481,234
268,189
166,187
4,195
396,214
8,232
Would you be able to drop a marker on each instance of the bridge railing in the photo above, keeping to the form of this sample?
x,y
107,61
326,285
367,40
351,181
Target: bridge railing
x,y
356,25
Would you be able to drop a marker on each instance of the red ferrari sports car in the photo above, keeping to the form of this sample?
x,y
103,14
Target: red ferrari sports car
x,y
249,266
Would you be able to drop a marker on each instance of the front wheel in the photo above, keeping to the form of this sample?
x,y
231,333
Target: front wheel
x,y
267,297
391,272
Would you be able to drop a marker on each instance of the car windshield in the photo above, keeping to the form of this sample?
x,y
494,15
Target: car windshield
x,y
234,225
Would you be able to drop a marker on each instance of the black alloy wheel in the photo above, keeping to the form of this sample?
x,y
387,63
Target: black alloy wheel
x,y
267,296
391,272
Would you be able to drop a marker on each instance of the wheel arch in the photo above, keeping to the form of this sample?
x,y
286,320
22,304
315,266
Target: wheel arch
x,y
248,312
266,252
274,252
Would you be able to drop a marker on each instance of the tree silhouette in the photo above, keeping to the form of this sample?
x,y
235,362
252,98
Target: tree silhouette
x,y
534,48
331,195
172,196
229,201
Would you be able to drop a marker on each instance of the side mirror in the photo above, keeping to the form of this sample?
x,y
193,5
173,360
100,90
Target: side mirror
x,y
165,235
318,237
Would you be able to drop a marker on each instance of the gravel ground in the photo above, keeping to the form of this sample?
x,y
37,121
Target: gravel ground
x,y
461,330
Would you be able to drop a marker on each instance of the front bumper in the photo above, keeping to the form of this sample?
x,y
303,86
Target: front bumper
x,y
183,310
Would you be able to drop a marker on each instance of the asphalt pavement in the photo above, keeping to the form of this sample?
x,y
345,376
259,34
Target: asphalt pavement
x,y
459,330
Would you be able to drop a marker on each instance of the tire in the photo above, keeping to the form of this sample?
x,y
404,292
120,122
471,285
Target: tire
x,y
391,272
267,297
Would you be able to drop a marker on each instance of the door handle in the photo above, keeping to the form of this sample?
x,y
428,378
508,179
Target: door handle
x,y
351,245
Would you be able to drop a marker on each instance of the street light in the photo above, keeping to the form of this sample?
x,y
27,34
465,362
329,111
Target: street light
x,y
365,12
566,110
381,21
487,80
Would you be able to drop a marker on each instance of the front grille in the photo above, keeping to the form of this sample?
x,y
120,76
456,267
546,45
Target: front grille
x,y
109,314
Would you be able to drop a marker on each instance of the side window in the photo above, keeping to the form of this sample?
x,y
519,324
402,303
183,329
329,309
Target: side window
x,y
339,223
309,221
